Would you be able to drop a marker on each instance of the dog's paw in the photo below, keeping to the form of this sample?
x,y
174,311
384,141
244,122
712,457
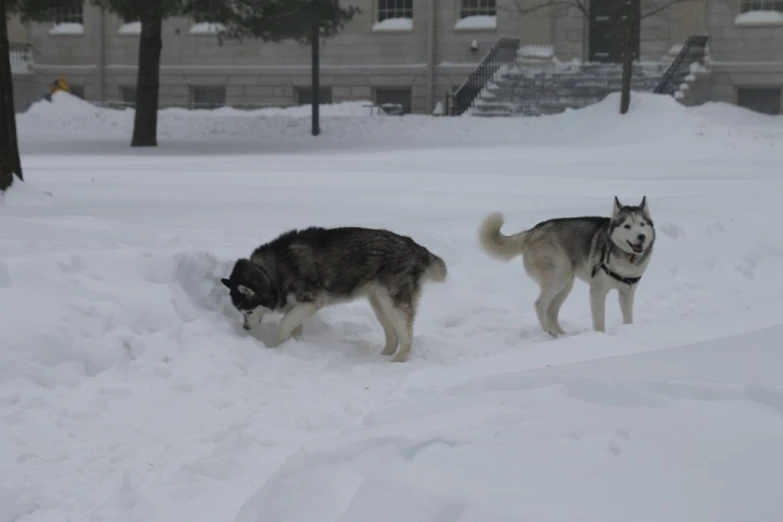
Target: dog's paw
x,y
298,332
400,357
277,342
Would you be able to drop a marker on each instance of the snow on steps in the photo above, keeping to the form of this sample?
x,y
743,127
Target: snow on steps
x,y
549,87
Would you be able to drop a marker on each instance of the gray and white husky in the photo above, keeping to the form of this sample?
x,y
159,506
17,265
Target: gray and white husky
x,y
606,253
303,271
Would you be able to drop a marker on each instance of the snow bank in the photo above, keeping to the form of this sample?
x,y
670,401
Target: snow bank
x,y
653,118
22,194
129,391
589,441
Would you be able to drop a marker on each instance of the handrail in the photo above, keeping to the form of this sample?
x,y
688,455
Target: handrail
x,y
503,52
692,51
21,56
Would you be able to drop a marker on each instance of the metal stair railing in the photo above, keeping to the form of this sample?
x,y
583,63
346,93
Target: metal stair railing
x,y
693,51
21,55
503,52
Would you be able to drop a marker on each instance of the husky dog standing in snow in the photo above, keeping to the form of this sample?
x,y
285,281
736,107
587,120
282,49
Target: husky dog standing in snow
x,y
606,253
303,271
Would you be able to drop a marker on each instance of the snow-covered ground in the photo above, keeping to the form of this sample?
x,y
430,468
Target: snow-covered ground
x,y
128,391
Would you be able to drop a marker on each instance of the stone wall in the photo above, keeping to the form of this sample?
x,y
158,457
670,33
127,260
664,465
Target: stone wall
x,y
24,91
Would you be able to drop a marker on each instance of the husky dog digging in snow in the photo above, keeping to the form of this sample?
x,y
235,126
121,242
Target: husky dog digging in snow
x,y
606,253
303,271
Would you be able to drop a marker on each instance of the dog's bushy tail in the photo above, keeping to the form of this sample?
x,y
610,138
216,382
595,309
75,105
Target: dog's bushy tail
x,y
495,243
436,270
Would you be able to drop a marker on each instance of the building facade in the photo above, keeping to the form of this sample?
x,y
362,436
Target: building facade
x,y
410,52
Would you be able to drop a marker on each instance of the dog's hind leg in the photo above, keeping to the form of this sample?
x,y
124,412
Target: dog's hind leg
x,y
550,289
626,294
557,302
293,320
388,329
401,314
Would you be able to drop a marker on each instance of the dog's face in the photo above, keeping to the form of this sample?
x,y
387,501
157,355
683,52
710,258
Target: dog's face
x,y
632,228
250,292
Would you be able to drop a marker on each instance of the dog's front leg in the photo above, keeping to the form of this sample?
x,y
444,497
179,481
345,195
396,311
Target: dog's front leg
x,y
297,332
626,294
293,320
598,305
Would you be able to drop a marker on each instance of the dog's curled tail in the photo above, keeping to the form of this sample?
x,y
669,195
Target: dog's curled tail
x,y
436,270
495,243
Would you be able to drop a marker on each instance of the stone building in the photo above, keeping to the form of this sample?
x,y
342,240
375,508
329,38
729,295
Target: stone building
x,y
414,52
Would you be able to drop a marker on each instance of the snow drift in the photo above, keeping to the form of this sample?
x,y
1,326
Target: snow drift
x,y
653,119
129,391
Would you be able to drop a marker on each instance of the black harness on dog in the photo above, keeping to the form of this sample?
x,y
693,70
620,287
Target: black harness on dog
x,y
605,253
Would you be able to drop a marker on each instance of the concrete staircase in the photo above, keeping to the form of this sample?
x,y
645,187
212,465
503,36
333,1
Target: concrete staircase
x,y
544,86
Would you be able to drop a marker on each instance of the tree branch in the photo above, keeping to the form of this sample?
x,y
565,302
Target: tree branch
x,y
582,7
662,8
557,4
518,9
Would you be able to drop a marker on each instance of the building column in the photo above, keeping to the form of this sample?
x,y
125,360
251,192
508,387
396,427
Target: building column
x,y
432,52
102,56
535,25
686,19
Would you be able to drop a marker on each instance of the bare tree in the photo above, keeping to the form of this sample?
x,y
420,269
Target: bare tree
x,y
10,165
635,12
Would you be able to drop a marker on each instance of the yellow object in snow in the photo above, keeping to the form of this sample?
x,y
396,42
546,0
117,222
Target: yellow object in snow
x,y
59,85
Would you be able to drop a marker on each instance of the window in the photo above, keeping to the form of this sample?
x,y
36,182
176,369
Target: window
x,y
761,5
394,101
128,96
202,17
391,9
131,26
766,101
304,96
68,14
204,24
208,97
477,8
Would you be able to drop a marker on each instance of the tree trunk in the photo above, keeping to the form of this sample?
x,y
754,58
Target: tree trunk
x,y
145,124
315,40
10,163
629,54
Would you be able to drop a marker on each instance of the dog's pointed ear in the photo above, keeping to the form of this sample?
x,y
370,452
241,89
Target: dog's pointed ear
x,y
244,290
617,206
644,206
226,282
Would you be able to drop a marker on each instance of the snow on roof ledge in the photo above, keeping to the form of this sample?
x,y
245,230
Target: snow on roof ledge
x,y
207,28
393,25
759,19
67,29
477,22
132,28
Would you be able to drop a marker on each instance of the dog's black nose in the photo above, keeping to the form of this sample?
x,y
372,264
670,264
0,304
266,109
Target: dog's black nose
x,y
246,327
641,237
